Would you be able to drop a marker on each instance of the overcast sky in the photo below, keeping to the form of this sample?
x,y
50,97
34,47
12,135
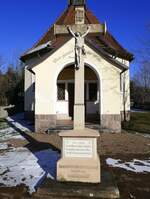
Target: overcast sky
x,y
23,22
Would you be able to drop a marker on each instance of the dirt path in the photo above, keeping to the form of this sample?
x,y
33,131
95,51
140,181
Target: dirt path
x,y
125,143
108,144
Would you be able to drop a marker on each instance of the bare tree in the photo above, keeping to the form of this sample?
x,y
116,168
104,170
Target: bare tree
x,y
11,82
142,83
1,62
144,75
143,53
125,89
141,79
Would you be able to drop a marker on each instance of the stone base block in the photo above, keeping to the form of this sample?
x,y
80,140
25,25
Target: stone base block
x,y
44,122
127,114
111,123
63,117
104,190
79,170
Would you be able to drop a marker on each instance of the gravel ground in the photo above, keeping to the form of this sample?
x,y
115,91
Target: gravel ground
x,y
108,144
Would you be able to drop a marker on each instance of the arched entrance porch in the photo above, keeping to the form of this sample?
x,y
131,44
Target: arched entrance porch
x,y
65,96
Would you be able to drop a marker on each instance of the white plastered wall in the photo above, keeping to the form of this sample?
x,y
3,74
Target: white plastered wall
x,y
48,70
125,93
29,90
109,82
125,97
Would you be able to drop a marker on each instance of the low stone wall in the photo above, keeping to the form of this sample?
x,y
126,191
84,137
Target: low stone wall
x,y
111,123
4,111
44,122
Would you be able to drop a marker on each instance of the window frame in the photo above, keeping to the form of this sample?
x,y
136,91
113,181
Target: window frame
x,y
97,92
61,100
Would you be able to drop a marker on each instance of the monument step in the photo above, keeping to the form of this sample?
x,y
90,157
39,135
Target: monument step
x,y
107,189
68,127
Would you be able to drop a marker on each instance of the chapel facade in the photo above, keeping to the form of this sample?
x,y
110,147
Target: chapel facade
x,y
50,75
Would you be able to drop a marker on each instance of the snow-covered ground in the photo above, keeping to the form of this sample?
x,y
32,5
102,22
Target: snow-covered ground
x,y
137,166
16,124
3,146
10,133
21,166
139,110
143,135
19,122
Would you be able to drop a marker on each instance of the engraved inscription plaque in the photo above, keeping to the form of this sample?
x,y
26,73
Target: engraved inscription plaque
x,y
78,148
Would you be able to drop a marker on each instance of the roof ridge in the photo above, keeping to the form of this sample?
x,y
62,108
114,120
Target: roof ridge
x,y
113,38
68,17
50,28
69,12
108,33
89,12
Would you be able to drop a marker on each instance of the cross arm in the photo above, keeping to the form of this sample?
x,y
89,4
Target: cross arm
x,y
82,28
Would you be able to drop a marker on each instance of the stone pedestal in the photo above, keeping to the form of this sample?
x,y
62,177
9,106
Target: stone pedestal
x,y
79,159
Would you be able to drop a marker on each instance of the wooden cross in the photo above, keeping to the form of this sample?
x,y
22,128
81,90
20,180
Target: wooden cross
x,y
79,30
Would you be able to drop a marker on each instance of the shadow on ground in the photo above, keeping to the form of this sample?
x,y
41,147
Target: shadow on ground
x,y
46,154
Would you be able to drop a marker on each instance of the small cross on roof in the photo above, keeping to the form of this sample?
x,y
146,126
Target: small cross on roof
x,y
77,2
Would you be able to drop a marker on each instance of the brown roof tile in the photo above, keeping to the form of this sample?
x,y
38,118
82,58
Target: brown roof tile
x,y
107,42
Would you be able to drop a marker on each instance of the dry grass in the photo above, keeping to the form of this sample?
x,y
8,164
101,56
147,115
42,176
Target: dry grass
x,y
140,122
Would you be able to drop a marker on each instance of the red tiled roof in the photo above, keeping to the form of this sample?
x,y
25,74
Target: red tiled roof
x,y
107,42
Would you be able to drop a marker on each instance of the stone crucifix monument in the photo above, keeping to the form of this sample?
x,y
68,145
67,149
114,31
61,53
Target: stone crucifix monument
x,y
79,159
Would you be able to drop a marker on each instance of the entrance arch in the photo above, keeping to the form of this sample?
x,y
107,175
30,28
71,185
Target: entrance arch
x,y
65,94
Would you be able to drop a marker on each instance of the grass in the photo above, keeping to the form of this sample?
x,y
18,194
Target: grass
x,y
140,122
3,123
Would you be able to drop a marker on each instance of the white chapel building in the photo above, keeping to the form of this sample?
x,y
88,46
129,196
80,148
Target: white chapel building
x,y
50,73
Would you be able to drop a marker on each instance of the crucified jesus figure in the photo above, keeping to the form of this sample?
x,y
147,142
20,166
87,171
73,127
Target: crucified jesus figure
x,y
79,45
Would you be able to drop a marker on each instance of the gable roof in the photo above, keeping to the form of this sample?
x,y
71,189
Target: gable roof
x,y
103,42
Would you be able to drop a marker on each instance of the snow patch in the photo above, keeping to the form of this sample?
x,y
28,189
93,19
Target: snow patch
x,y
137,166
143,135
20,166
3,146
10,133
19,122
